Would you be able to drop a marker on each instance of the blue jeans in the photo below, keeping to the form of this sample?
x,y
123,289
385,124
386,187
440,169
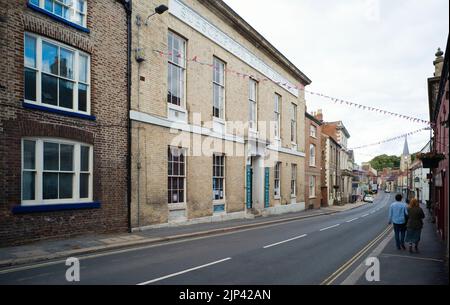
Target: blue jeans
x,y
400,232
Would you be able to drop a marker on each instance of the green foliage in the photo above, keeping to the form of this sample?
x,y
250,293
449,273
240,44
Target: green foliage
x,y
385,161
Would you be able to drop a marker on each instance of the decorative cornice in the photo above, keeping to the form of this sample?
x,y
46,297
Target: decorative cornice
x,y
238,23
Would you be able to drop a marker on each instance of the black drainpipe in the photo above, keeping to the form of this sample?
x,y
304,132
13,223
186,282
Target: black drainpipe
x,y
127,4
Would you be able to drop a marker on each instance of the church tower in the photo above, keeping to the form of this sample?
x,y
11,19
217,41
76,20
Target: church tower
x,y
405,160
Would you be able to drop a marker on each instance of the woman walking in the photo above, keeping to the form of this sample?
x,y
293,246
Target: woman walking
x,y
414,225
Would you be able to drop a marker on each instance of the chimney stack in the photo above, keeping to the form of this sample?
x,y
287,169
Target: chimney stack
x,y
318,115
438,63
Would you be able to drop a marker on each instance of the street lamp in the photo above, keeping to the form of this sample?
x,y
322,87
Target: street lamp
x,y
158,10
140,56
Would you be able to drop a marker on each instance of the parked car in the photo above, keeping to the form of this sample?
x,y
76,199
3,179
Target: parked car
x,y
368,198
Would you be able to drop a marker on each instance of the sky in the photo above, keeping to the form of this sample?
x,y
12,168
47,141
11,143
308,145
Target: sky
x,y
377,53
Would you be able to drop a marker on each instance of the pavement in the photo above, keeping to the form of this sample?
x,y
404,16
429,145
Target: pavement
x,y
55,249
428,267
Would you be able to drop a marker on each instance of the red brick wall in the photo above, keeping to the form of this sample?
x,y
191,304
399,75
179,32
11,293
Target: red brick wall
x,y
313,170
442,146
107,45
330,129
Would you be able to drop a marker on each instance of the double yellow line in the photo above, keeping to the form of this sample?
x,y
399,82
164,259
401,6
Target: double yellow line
x,y
329,280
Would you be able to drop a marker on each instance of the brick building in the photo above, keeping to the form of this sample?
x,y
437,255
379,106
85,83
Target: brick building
x,y
313,161
217,118
338,132
438,91
63,119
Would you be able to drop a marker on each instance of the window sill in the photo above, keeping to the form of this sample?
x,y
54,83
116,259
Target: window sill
x,y
21,209
56,17
277,197
58,111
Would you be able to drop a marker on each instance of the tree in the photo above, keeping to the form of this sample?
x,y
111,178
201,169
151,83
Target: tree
x,y
384,161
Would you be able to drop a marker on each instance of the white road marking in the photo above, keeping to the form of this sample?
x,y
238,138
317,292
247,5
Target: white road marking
x,y
182,272
285,241
365,215
330,227
352,219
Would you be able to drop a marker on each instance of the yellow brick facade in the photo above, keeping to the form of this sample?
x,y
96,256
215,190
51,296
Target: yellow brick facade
x,y
150,140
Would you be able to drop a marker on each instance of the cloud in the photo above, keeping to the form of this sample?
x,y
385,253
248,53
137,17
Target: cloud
x,y
377,53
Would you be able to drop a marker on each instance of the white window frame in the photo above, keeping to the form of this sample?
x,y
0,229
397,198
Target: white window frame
x,y
71,7
312,155
253,125
313,131
39,71
223,200
179,203
182,66
293,180
217,63
294,139
39,170
277,114
277,180
312,186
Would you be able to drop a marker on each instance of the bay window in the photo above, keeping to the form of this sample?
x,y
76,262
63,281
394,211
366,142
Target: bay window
x,y
56,171
56,76
71,10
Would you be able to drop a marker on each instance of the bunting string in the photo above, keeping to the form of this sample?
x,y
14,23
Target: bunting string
x,y
392,139
299,87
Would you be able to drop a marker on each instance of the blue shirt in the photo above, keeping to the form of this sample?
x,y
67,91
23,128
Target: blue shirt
x,y
397,212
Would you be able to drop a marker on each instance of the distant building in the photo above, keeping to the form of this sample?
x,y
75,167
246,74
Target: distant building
x,y
405,160
405,163
419,183
331,172
340,134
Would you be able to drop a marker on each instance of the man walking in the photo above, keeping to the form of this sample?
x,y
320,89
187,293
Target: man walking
x,y
397,215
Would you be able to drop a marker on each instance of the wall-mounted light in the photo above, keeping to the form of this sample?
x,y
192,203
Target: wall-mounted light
x,y
158,10
140,52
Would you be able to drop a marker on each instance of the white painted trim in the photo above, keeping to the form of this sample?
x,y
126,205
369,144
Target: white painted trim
x,y
286,151
163,122
187,15
284,209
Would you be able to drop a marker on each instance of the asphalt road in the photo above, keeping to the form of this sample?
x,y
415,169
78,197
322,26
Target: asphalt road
x,y
309,251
